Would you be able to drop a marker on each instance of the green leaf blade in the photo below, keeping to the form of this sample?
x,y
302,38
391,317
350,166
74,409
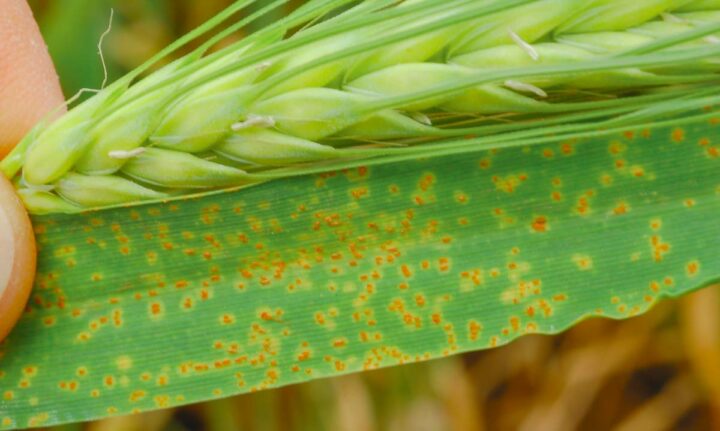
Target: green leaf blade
x,y
166,304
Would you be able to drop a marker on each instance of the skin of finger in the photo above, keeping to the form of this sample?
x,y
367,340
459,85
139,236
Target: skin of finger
x,y
17,257
29,86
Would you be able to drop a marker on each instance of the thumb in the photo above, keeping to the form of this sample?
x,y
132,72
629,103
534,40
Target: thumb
x,y
29,86
29,89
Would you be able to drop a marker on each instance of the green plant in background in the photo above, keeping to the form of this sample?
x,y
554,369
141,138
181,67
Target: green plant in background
x,y
444,224
70,49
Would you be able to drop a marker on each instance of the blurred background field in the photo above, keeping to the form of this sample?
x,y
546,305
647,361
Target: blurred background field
x,y
660,371
140,28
